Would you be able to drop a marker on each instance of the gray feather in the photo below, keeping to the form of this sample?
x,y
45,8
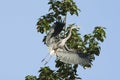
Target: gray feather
x,y
73,57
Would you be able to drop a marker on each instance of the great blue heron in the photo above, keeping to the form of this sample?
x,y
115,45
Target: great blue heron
x,y
58,47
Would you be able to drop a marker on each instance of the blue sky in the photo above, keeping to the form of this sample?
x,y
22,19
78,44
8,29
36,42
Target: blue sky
x,y
21,47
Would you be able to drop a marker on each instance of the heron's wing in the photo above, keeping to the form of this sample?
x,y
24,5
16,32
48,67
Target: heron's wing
x,y
52,36
73,57
58,27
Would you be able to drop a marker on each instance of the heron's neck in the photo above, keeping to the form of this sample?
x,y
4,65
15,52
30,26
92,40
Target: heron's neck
x,y
63,41
68,35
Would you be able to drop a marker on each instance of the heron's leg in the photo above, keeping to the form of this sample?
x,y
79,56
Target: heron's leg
x,y
45,57
67,47
47,60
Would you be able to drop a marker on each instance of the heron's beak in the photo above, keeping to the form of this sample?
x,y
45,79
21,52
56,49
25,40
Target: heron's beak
x,y
78,27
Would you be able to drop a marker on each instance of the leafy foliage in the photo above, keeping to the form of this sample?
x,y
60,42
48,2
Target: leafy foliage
x,y
88,44
30,77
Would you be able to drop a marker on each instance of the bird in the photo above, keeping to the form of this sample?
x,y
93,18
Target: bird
x,y
57,47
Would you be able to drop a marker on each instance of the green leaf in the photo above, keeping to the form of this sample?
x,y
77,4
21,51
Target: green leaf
x,y
30,77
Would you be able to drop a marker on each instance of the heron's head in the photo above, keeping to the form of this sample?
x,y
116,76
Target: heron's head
x,y
75,27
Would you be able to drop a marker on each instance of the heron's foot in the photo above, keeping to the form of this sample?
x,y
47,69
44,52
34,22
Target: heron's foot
x,y
43,60
46,62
